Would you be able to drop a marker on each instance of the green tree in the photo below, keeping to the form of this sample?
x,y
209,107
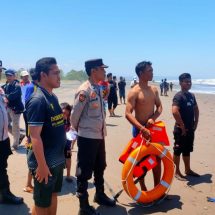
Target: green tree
x,y
76,75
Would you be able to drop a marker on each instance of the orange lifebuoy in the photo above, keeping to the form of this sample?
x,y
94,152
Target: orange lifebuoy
x,y
158,135
128,169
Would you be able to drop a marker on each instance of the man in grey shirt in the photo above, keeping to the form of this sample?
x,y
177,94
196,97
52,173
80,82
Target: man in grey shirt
x,y
5,195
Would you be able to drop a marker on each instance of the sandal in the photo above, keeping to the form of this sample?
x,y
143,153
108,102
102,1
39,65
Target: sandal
x,y
28,189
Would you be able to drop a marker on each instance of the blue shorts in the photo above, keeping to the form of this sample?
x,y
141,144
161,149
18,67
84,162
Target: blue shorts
x,y
135,131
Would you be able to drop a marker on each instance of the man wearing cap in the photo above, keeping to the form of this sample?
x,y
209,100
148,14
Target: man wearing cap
x,y
5,194
15,106
88,118
24,83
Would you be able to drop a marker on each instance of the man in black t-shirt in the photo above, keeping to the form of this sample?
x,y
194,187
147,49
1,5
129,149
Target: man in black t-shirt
x,y
112,97
121,86
46,126
186,113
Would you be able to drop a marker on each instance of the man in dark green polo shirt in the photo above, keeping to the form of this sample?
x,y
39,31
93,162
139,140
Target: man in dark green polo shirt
x,y
46,125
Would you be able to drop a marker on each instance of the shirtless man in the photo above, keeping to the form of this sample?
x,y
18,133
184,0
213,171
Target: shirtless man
x,y
143,99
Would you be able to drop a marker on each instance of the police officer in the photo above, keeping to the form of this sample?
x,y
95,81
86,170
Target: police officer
x,y
5,194
88,118
15,106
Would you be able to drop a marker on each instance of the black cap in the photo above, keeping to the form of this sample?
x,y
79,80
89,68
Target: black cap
x,y
10,72
90,64
1,68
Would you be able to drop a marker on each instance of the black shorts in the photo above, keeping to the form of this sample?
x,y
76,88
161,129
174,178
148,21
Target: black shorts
x,y
43,192
183,144
122,94
112,102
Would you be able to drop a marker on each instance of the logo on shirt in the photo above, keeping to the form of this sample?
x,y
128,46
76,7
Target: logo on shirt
x,y
57,120
52,106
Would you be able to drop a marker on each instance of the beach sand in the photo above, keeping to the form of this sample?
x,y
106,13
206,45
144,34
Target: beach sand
x,y
185,197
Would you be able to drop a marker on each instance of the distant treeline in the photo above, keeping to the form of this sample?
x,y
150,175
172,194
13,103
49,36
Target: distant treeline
x,y
72,75
75,75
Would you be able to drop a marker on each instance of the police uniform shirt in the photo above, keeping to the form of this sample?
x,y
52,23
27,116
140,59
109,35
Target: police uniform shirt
x,y
88,116
44,110
186,102
3,120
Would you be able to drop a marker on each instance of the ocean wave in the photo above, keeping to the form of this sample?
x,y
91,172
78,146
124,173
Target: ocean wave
x,y
194,81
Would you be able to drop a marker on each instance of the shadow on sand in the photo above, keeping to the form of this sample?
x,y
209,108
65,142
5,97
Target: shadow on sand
x,y
117,210
206,178
70,188
21,150
166,205
14,209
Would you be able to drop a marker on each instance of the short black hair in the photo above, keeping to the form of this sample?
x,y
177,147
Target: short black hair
x,y
140,67
109,74
33,74
184,76
88,71
43,65
114,77
66,106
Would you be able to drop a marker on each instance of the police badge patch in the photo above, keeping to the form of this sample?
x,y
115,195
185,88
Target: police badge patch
x,y
82,97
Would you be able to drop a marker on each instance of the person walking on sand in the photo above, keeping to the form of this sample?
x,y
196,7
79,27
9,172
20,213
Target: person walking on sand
x,y
161,87
112,97
143,99
88,119
171,86
46,126
121,86
186,113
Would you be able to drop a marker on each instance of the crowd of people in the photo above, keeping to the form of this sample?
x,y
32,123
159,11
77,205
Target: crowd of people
x,y
165,87
52,128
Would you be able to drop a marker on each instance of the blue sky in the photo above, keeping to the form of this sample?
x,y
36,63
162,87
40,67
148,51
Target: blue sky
x,y
176,35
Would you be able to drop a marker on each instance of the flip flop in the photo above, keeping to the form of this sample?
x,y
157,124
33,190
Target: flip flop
x,y
28,189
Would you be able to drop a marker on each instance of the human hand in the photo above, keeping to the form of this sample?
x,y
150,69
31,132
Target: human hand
x,y
42,173
146,133
183,130
149,123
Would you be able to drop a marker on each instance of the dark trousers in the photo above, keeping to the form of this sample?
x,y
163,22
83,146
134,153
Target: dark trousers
x,y
5,151
91,159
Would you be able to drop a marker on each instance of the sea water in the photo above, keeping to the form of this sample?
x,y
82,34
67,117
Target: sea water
x,y
206,86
